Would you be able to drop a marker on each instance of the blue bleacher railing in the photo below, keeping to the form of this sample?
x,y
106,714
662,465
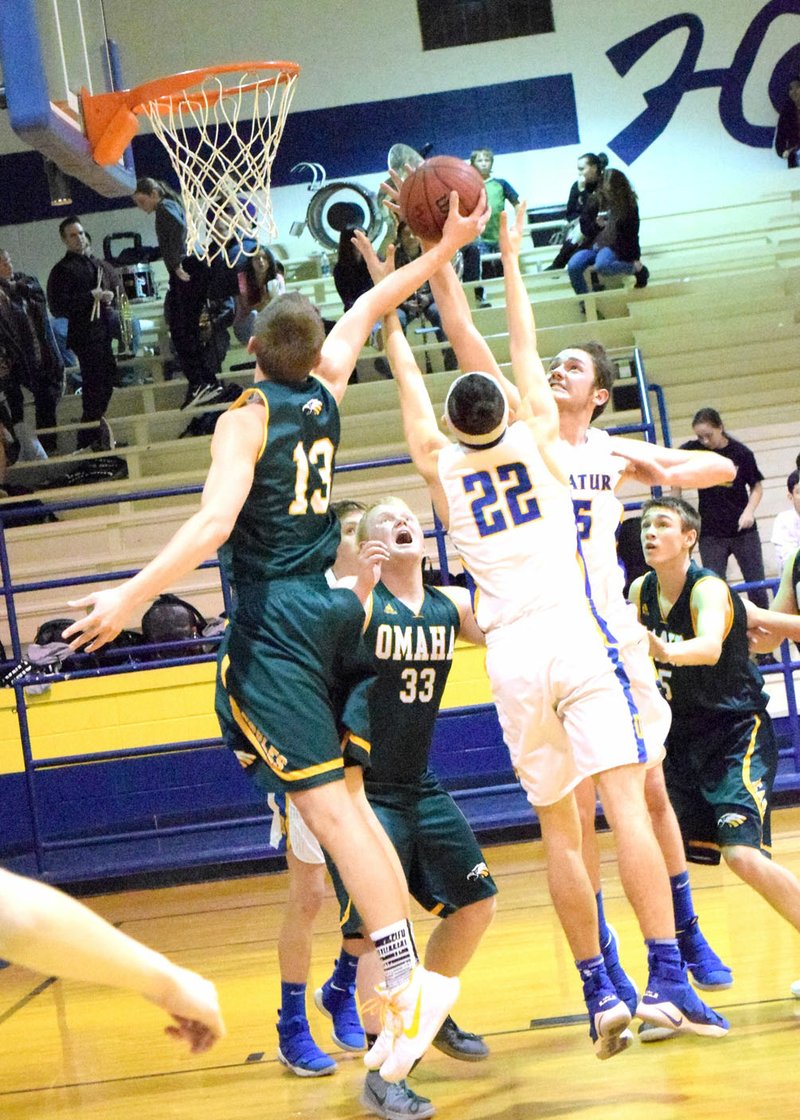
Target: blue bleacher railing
x,y
173,654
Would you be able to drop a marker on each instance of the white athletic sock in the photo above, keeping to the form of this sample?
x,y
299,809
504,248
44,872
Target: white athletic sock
x,y
397,951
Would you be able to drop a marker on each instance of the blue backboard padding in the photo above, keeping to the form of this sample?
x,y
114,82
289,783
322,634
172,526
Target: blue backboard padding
x,y
354,140
517,116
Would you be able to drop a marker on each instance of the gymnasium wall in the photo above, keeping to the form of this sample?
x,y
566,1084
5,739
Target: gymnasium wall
x,y
682,96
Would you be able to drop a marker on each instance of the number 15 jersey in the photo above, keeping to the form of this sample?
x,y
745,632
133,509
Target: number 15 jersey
x,y
513,524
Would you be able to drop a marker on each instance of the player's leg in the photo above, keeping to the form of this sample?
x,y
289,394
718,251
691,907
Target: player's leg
x,y
574,901
707,969
669,999
336,998
455,939
297,1049
417,1000
383,1098
586,799
776,884
448,875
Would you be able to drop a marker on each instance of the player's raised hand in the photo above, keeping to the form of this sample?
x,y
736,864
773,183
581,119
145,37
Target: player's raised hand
x,y
511,235
390,189
107,613
459,229
371,556
377,268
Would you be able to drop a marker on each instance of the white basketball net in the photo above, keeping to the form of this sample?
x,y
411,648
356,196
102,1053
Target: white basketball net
x,y
221,147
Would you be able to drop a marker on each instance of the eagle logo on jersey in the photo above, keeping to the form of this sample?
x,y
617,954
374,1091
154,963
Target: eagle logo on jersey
x,y
313,407
479,871
731,820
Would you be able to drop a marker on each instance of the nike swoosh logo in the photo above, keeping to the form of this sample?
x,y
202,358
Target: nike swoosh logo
x,y
675,1022
413,1030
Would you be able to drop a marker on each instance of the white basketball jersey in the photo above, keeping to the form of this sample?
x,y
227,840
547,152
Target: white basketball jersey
x,y
594,474
513,525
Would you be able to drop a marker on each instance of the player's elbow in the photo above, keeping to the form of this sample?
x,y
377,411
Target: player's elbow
x,y
712,653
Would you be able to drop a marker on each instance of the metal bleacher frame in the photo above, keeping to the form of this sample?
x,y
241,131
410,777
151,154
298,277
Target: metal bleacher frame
x,y
491,798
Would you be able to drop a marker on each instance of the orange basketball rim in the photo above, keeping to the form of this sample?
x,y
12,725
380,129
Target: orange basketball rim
x,y
111,119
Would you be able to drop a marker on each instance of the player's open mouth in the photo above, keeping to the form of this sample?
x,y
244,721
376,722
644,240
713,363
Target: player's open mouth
x,y
403,536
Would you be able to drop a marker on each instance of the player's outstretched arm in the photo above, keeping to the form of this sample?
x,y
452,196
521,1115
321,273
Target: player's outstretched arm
x,y
529,372
343,345
671,466
424,438
48,931
767,629
471,348
235,447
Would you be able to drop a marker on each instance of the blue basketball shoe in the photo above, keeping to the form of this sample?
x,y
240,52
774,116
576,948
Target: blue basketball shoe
x,y
671,1002
707,970
339,1004
298,1051
608,1015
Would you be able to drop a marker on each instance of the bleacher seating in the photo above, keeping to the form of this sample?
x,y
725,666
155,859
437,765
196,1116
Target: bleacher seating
x,y
718,324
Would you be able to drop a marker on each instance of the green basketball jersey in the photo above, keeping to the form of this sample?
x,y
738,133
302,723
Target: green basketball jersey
x,y
286,527
413,654
734,684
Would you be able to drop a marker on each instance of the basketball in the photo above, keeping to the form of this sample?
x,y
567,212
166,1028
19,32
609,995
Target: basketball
x,y
425,194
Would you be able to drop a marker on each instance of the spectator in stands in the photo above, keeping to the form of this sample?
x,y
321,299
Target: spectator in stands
x,y
787,134
615,250
421,304
583,227
81,287
351,277
39,367
188,288
350,273
786,529
498,192
728,513
260,280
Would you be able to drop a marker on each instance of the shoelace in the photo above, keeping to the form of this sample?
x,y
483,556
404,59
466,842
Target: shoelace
x,y
389,1011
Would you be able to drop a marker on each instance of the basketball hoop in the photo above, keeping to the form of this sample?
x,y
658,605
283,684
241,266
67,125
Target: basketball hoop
x,y
221,137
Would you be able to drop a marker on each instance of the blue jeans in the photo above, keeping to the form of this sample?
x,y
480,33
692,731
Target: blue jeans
x,y
605,261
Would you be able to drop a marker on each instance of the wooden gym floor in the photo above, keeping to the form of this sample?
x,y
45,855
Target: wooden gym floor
x,y
73,1051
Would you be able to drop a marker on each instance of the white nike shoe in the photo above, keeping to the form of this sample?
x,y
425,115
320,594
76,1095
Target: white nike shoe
x,y
412,1017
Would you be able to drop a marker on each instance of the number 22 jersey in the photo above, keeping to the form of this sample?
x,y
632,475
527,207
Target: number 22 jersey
x,y
513,524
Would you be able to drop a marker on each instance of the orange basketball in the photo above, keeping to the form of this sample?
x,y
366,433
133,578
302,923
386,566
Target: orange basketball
x,y
425,194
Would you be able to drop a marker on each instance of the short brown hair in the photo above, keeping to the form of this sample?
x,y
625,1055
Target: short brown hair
x,y
605,370
689,517
287,338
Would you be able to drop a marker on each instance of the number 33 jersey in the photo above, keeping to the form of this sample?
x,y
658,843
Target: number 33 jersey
x,y
413,654
513,524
